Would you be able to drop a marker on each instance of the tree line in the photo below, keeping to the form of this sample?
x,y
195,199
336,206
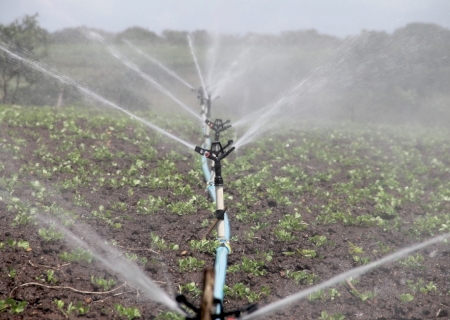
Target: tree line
x,y
405,73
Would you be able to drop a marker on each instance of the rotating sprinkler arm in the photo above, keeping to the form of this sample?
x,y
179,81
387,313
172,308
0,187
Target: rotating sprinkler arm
x,y
217,152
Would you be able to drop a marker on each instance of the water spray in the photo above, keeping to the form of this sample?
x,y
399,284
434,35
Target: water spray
x,y
272,307
195,61
87,92
116,54
114,260
159,64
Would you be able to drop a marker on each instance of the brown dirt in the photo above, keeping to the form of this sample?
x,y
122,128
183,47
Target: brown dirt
x,y
387,281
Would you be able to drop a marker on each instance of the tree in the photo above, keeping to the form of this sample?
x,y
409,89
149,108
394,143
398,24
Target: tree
x,y
26,37
175,37
138,34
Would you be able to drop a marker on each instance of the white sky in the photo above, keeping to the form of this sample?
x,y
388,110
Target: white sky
x,y
334,17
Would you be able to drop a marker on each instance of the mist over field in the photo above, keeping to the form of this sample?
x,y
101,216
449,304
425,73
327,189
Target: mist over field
x,y
398,77
337,188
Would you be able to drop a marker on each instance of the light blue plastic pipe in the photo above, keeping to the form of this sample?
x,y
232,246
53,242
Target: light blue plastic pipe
x,y
207,173
220,266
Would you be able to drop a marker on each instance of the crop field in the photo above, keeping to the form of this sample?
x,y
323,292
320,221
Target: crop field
x,y
305,204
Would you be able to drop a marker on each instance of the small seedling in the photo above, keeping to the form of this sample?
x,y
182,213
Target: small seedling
x,y
15,307
77,255
82,310
318,240
50,234
190,264
283,235
414,261
252,266
365,295
190,287
324,295
325,316
361,260
354,250
69,310
240,291
51,276
161,244
129,313
318,295
268,256
307,253
428,288
206,246
103,283
169,315
406,297
12,273
23,244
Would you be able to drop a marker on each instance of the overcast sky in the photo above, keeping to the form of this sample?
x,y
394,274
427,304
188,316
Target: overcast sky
x,y
334,17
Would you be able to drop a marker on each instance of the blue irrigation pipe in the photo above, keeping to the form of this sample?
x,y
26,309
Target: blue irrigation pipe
x,y
220,266
205,103
207,174
216,154
206,167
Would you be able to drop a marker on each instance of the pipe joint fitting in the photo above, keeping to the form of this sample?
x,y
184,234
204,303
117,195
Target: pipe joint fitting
x,y
220,214
218,181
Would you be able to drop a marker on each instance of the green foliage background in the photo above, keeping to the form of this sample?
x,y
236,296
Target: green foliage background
x,y
372,77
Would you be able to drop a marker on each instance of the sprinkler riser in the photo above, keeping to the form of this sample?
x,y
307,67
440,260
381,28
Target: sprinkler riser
x,y
207,138
220,206
218,180
219,198
221,230
208,107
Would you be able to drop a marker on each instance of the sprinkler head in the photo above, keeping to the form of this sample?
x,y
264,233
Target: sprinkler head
x,y
218,126
217,152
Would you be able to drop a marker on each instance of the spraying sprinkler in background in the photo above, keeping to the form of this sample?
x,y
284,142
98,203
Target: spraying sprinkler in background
x,y
205,103
217,126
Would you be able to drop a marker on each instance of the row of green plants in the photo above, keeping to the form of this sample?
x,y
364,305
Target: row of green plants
x,y
397,176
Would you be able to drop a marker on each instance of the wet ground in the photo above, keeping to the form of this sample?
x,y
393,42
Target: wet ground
x,y
287,260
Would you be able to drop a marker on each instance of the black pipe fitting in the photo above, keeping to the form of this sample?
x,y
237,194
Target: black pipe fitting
x,y
220,214
184,303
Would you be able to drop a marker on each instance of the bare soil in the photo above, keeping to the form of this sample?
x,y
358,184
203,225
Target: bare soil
x,y
134,236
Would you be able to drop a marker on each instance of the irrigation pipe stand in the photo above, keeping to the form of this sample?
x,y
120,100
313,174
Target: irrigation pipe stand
x,y
212,300
205,104
217,126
